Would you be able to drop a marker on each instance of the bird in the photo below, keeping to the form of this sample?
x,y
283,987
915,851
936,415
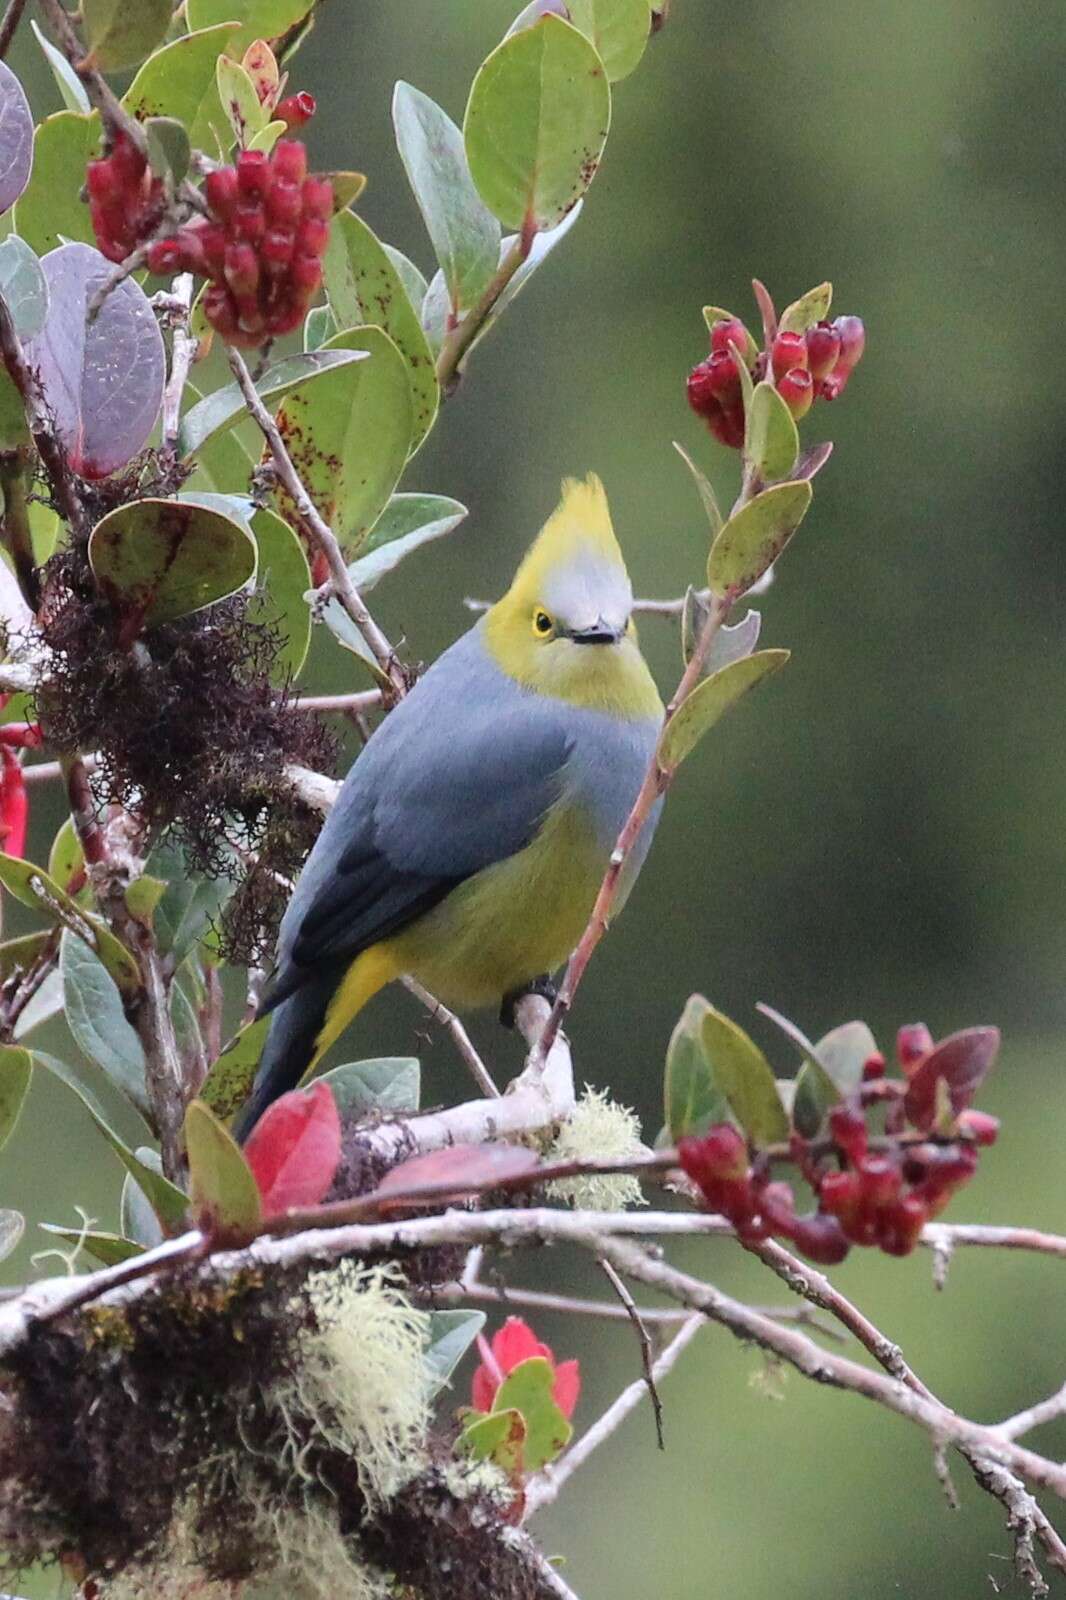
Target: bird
x,y
468,842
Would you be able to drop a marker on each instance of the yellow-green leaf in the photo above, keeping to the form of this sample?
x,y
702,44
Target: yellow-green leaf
x,y
745,1077
51,204
242,114
755,536
120,33
16,1069
620,30
224,1195
256,19
771,443
527,1389
160,559
33,887
810,308
229,1082
710,700
179,81
707,495
692,1100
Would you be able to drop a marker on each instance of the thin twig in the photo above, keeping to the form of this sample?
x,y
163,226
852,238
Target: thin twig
x,y
544,1489
320,531
463,1043
629,1305
11,20
1033,1416
461,337
182,350
49,449
364,700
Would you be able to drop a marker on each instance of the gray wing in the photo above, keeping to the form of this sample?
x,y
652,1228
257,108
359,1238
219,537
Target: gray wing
x,y
457,777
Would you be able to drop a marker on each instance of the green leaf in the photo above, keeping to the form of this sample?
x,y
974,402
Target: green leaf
x,y
708,499
136,1217
169,151
179,81
620,30
709,700
465,234
257,19
319,325
190,903
348,433
143,896
160,559
771,443
814,1094
16,1069
12,1227
449,1337
346,186
69,84
224,1194
120,33
692,1099
229,1082
498,1437
98,1022
50,209
111,1249
268,136
407,522
23,286
364,289
414,284
755,536
527,1389
810,308
35,888
243,117
218,411
285,577
19,955
536,123
387,1085
832,1069
744,1076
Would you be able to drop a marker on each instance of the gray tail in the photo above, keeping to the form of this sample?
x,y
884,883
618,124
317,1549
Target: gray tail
x,y
290,1045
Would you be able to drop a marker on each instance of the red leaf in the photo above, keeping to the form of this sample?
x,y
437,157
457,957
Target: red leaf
x,y
467,1167
516,1342
963,1060
483,1389
567,1387
294,1149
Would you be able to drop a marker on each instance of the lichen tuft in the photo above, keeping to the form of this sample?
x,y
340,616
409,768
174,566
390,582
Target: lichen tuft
x,y
599,1128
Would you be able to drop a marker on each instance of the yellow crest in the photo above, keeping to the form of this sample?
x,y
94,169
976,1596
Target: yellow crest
x,y
581,520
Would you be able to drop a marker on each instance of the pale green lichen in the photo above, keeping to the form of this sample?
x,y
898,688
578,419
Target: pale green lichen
x,y
598,1128
361,1379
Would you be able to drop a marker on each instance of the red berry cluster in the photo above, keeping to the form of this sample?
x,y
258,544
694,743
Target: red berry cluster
x,y
879,1194
125,200
805,367
261,247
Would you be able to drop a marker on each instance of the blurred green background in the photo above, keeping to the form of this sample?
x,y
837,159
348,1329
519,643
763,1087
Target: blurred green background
x,y
881,831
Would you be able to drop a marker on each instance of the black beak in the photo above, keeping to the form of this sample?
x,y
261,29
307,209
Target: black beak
x,y
600,634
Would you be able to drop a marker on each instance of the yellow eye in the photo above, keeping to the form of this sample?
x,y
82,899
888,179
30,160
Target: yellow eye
x,y
542,624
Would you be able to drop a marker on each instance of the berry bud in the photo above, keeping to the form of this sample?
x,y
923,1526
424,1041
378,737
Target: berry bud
x,y
102,181
165,257
796,388
777,1205
852,343
728,426
721,1152
912,1043
296,109
839,1193
787,351
306,274
727,331
701,394
847,1128
249,220
277,248
978,1126
873,1067
254,174
212,242
880,1180
220,310
313,236
820,1238
289,160
127,162
220,190
286,318
723,377
317,198
242,271
823,349
284,203
901,1225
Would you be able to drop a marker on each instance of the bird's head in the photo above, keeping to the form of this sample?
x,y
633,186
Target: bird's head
x,y
565,626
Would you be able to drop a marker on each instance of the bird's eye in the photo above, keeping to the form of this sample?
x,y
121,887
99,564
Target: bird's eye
x,y
542,624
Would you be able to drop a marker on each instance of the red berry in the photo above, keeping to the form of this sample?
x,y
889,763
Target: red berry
x,y
728,426
789,350
306,274
902,1224
286,318
220,190
241,269
277,248
852,343
102,181
820,1239
127,162
796,388
289,160
296,109
839,1194
912,1043
721,1152
313,236
165,257
317,198
873,1067
285,201
847,1128
727,331
880,1179
978,1126
823,349
701,394
220,310
254,174
249,220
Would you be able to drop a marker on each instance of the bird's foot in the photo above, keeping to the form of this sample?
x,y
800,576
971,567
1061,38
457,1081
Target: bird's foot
x,y
545,986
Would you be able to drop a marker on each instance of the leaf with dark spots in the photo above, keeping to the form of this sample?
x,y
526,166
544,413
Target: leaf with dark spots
x,y
962,1061
102,381
463,1169
16,138
160,559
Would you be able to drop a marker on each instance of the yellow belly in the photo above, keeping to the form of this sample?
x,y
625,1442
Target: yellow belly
x,y
510,923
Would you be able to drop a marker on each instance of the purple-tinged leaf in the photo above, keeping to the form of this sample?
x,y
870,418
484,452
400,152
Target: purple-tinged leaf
x,y
813,460
16,138
102,381
961,1061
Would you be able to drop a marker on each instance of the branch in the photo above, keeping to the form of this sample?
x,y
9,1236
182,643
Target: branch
x,y
461,1039
100,92
12,18
321,533
39,423
1034,1416
462,336
544,1488
182,350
